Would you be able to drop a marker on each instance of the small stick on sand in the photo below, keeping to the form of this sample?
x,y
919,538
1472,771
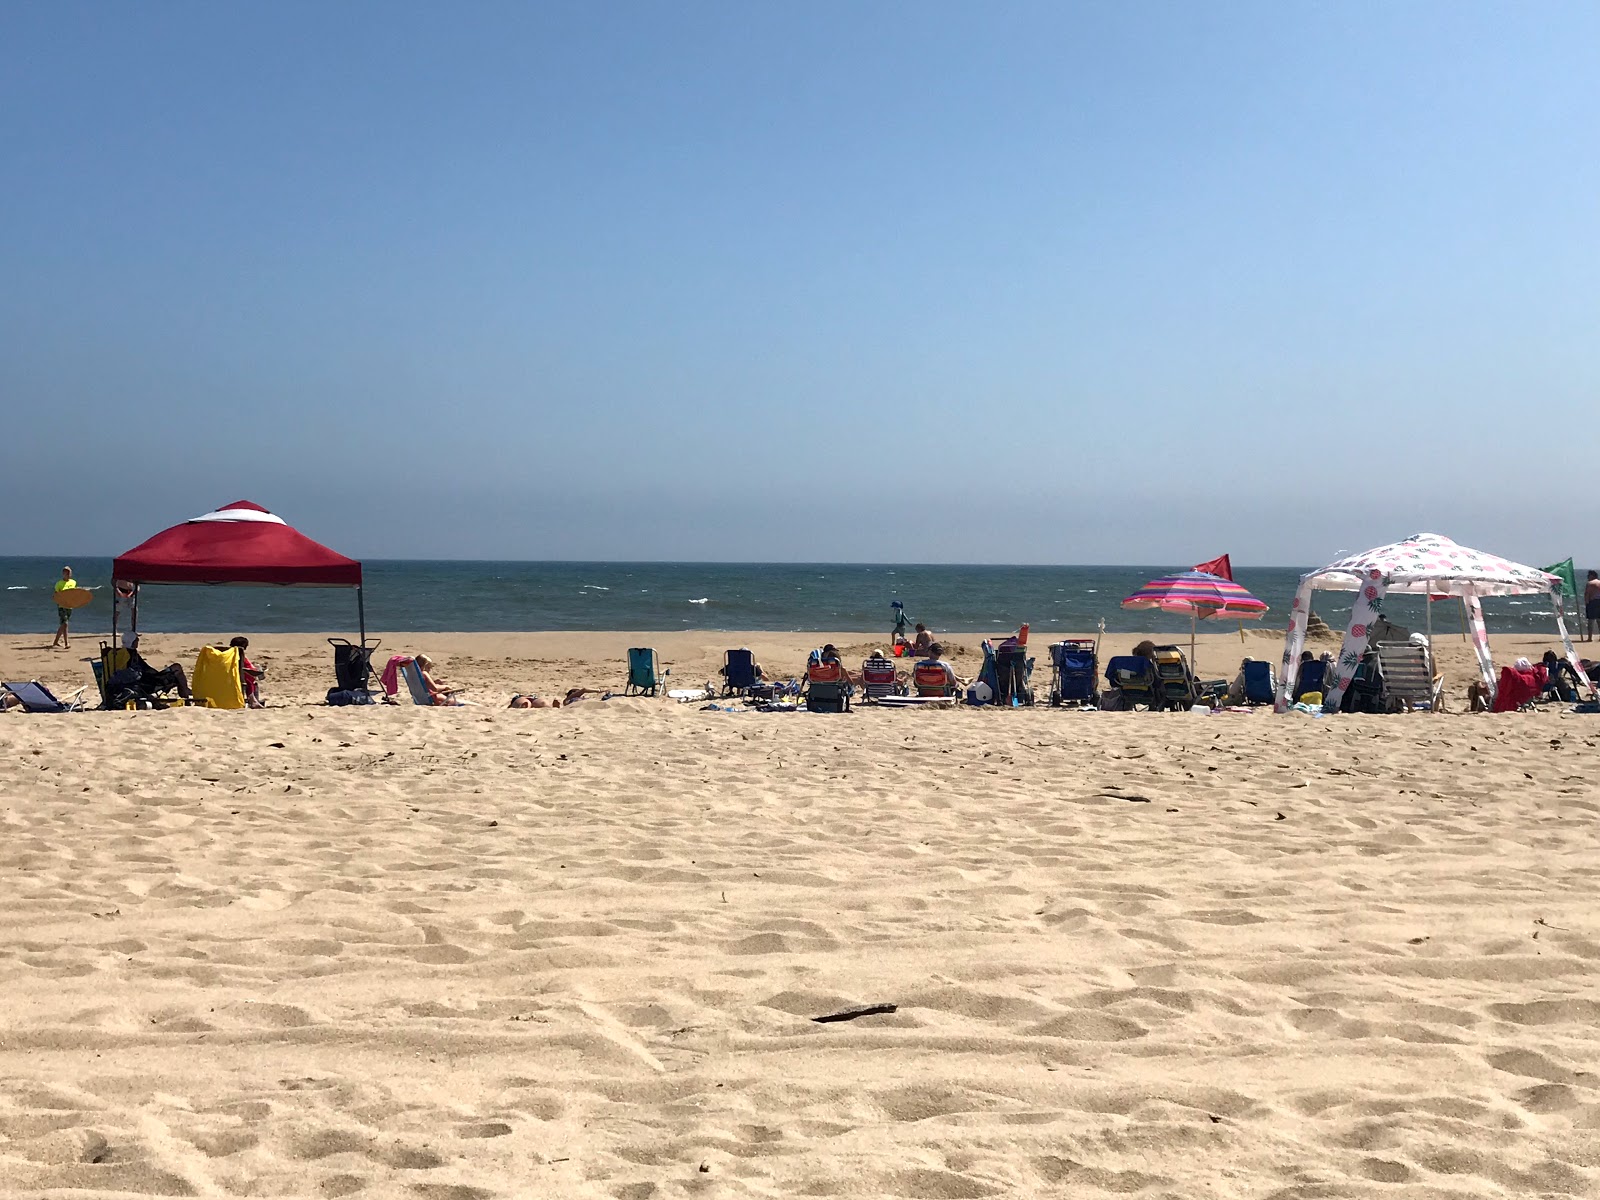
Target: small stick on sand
x,y
850,1014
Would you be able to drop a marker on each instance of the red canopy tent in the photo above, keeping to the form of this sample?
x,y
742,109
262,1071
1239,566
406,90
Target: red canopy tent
x,y
240,543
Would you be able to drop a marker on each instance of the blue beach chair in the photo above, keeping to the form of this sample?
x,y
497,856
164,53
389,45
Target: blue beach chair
x,y
738,672
1260,683
36,698
644,672
1135,677
1074,673
419,690
1311,678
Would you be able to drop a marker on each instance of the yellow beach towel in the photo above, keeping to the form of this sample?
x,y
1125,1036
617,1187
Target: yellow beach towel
x,y
216,678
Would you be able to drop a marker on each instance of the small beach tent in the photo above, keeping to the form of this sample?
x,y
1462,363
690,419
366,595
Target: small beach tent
x,y
238,544
1426,564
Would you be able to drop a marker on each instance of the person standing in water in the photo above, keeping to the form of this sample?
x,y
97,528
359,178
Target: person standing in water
x,y
63,615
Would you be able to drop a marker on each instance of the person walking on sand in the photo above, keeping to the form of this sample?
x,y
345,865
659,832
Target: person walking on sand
x,y
63,615
1591,605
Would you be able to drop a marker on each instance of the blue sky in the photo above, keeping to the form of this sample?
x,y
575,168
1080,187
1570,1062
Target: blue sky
x,y
909,282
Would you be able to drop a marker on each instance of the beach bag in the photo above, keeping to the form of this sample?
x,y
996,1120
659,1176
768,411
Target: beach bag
x,y
339,697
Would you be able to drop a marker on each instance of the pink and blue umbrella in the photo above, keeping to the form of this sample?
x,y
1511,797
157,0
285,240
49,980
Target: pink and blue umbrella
x,y
1201,595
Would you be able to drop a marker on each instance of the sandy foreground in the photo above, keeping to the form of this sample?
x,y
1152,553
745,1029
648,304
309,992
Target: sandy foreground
x,y
455,953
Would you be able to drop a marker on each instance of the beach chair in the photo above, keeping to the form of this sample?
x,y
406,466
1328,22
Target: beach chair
x,y
1408,678
1134,676
1074,673
644,672
352,665
412,674
738,671
1179,690
929,679
216,682
879,678
1365,693
1311,678
1260,683
34,697
827,688
116,658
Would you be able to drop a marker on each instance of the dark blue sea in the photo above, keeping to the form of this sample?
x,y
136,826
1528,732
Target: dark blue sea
x,y
487,596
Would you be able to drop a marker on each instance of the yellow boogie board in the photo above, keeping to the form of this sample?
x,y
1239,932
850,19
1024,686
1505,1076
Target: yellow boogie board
x,y
73,597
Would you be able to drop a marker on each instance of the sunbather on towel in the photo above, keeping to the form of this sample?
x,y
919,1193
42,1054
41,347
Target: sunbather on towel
x,y
440,692
532,701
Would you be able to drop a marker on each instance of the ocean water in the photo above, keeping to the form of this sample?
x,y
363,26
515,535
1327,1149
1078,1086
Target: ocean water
x,y
486,596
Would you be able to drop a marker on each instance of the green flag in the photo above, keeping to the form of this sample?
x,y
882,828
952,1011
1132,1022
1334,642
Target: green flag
x,y
1568,577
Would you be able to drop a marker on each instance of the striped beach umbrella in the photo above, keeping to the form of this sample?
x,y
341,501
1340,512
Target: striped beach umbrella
x,y
1201,595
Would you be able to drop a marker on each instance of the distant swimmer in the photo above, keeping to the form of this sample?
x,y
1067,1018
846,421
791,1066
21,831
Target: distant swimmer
x,y
63,614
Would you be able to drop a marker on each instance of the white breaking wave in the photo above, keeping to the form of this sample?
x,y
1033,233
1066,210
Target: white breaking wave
x,y
19,587
702,600
596,587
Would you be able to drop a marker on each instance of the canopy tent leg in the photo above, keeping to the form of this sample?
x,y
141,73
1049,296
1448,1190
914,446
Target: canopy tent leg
x,y
1369,603
1480,643
1299,615
361,615
1566,643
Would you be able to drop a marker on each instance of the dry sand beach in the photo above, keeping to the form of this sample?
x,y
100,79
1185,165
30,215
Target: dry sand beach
x,y
475,952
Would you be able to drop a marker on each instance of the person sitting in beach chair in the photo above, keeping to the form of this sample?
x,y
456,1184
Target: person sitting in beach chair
x,y
1256,683
1519,688
1561,681
1312,675
879,677
740,671
250,675
136,682
828,684
935,677
1133,681
439,693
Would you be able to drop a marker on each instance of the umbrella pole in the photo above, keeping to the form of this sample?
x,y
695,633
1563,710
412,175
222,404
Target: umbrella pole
x,y
1194,662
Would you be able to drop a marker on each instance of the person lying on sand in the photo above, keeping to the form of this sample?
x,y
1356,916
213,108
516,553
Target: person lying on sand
x,y
532,701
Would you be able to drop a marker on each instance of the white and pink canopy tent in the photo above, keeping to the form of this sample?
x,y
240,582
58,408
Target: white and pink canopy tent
x,y
1426,564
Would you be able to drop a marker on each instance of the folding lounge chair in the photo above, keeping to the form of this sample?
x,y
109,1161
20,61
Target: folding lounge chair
x,y
1260,683
36,698
1074,673
931,680
879,678
412,674
1135,677
1408,678
1178,687
738,671
644,672
1311,677
827,690
116,658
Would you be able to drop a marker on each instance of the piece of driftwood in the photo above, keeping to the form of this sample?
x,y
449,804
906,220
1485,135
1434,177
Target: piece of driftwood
x,y
850,1014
